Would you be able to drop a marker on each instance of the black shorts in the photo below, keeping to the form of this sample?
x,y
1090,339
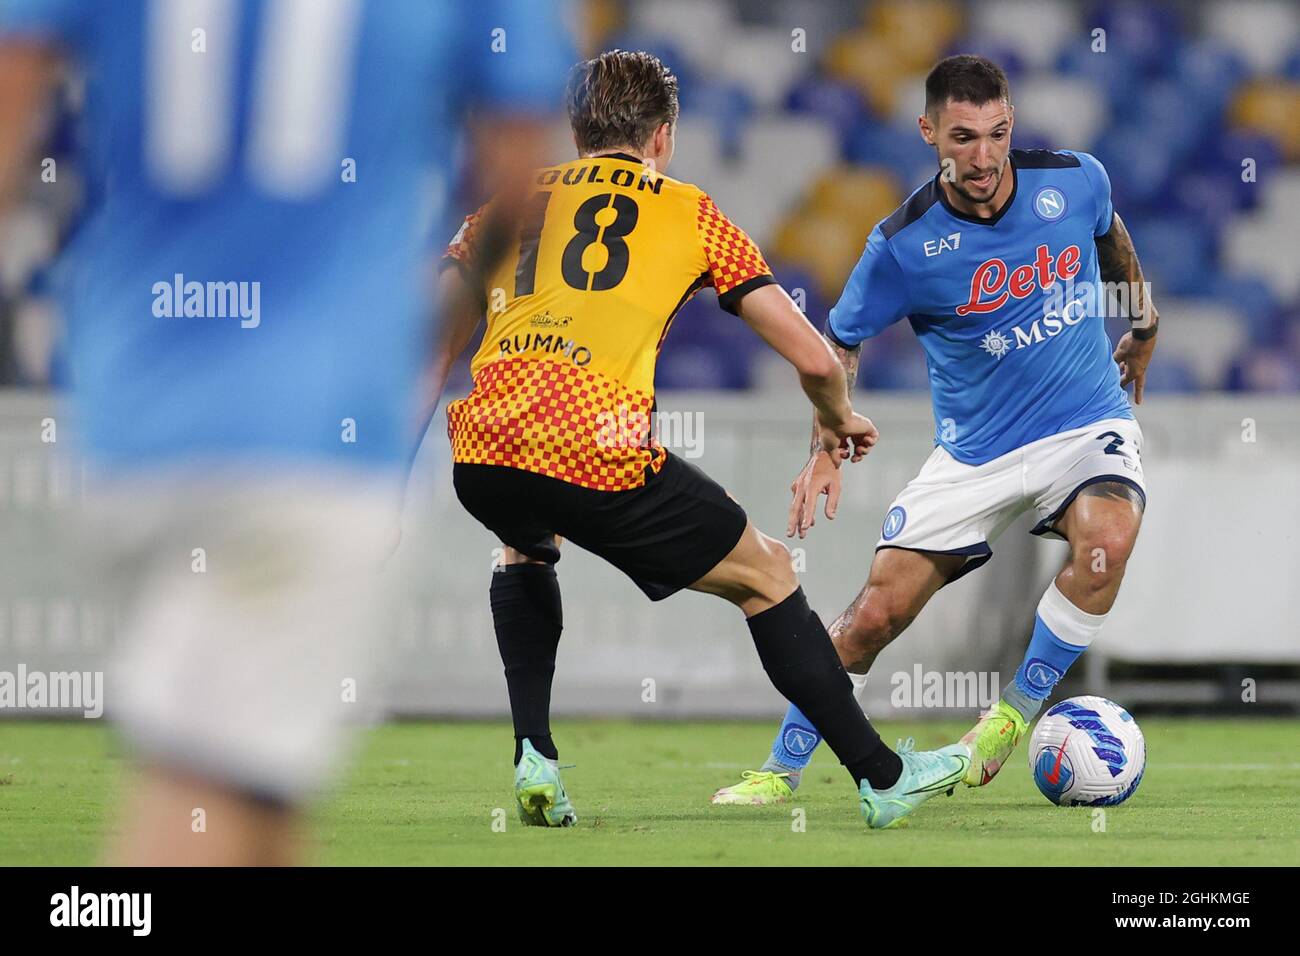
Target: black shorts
x,y
665,535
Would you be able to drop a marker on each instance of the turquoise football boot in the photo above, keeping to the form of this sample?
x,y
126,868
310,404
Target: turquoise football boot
x,y
539,793
925,773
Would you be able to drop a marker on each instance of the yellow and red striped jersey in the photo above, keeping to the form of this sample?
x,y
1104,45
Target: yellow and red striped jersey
x,y
606,254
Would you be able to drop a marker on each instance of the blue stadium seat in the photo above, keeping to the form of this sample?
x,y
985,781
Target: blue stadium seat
x,y
1208,71
1177,253
1291,68
729,106
1264,370
1139,166
897,147
1208,193
1236,145
1001,52
1115,72
834,101
1169,373
1256,305
1182,124
1148,33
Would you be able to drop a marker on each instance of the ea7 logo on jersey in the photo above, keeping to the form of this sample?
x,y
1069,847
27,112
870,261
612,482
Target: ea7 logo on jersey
x,y
944,244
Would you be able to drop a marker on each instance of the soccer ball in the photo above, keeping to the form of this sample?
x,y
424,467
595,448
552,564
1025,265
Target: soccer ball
x,y
1087,751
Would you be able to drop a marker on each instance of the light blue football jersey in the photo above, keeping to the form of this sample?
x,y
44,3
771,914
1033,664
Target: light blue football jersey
x,y
249,280
1007,309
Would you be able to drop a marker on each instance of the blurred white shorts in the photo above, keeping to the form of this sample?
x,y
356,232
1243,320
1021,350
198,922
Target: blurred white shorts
x,y
248,621
954,508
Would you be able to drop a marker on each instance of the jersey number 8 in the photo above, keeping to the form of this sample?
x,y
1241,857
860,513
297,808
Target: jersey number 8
x,y
603,220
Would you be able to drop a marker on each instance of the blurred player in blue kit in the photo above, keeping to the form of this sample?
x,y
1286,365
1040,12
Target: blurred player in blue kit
x,y
247,309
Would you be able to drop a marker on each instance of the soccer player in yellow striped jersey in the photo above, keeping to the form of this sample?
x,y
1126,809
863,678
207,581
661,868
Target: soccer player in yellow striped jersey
x,y
554,441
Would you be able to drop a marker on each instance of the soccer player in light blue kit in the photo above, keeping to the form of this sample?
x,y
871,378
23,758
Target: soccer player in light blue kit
x,y
996,264
248,317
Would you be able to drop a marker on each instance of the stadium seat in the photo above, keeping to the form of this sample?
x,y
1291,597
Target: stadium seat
x,y
1264,32
999,51
1181,124
1271,108
1209,71
1232,149
898,147
1282,194
697,29
1177,253
1254,305
1263,244
1291,68
1208,338
871,65
1068,110
1210,194
834,101
1150,34
919,29
1114,74
1036,29
1140,168
1170,374
1260,370
780,156
730,107
861,196
760,60
825,245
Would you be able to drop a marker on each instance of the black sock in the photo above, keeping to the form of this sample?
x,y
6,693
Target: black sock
x,y
802,663
527,617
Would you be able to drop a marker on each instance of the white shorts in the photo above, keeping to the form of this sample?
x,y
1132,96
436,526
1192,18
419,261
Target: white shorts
x,y
953,508
247,616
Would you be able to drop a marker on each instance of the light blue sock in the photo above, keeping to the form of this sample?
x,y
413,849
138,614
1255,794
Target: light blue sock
x,y
794,745
1062,632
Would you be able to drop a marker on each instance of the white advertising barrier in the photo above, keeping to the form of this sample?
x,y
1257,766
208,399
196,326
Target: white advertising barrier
x,y
1213,578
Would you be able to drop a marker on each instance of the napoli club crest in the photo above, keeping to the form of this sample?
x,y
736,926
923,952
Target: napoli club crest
x,y
894,522
1049,204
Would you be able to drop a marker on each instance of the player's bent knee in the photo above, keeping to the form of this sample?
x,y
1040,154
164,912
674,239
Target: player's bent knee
x,y
780,579
876,622
1107,551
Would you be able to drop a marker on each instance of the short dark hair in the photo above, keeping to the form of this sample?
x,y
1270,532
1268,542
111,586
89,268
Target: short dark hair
x,y
965,79
619,99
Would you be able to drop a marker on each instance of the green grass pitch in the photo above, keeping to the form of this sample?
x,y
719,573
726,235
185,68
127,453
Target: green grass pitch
x,y
1215,792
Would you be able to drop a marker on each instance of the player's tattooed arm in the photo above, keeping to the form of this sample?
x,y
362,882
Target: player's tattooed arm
x,y
821,476
1118,263
848,359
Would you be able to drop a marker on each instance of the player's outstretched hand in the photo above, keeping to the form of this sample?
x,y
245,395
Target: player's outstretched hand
x,y
821,476
1133,356
851,439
